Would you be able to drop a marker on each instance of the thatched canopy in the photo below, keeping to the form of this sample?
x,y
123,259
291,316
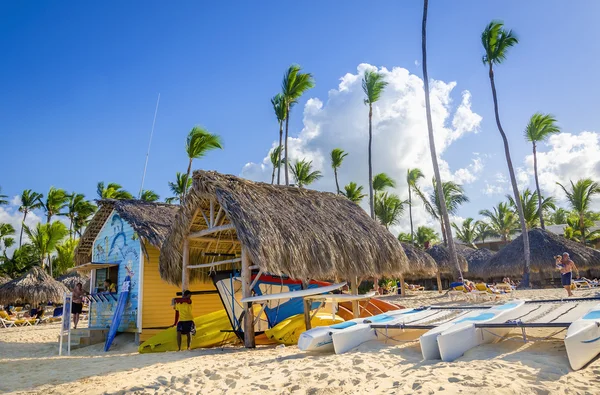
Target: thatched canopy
x,y
441,255
151,221
71,279
477,258
35,287
4,280
543,246
421,264
289,231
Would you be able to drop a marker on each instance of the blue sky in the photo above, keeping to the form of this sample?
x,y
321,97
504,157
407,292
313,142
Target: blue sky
x,y
80,80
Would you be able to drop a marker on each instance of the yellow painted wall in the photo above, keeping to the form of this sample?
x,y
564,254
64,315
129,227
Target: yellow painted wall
x,y
157,294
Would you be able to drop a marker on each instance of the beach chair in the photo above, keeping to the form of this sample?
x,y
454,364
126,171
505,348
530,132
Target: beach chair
x,y
7,321
458,292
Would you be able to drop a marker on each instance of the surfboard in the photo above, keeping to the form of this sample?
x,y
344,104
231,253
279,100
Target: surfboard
x,y
293,294
116,321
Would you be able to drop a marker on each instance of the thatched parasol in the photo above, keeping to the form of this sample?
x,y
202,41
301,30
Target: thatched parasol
x,y
543,246
4,280
35,287
477,258
289,231
421,264
71,279
441,255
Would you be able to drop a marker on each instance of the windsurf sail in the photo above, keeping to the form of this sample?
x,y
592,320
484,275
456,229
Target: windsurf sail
x,y
116,321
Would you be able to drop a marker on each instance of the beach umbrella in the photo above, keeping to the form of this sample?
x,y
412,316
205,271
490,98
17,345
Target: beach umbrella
x,y
71,279
34,287
446,267
421,264
476,259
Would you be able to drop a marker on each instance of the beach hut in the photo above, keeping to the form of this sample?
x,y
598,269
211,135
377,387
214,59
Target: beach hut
x,y
476,259
543,246
34,287
124,239
71,279
446,268
421,264
281,230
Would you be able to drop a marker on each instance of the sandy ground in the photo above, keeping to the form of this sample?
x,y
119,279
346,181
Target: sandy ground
x,y
29,364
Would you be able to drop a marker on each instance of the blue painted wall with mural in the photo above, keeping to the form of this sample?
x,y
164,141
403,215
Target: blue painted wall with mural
x,y
118,243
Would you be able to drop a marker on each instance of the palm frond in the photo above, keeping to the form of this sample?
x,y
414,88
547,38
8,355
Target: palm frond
x,y
199,142
337,157
382,181
373,86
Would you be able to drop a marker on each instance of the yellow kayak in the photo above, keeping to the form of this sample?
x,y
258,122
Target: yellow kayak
x,y
289,330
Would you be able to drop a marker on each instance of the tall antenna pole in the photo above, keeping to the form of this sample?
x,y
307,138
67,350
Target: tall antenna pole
x,y
149,144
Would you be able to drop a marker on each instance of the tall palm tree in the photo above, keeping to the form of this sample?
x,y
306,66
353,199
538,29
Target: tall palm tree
x,y
29,201
529,202
388,208
84,210
45,238
496,43
21,261
199,142
580,198
557,217
280,109
573,230
446,231
275,156
293,87
337,157
503,221
179,188
453,196
382,181
303,173
425,235
65,256
149,195
353,192
3,198
56,200
6,230
483,230
112,191
74,200
373,86
539,128
467,232
412,178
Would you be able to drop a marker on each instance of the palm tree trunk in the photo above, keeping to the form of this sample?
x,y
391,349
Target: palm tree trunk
x,y
279,158
71,227
337,186
537,187
444,235
582,227
287,124
185,182
48,217
412,237
22,226
371,197
445,229
273,176
513,181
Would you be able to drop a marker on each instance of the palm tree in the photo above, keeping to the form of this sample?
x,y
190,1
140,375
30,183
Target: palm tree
x,y
529,202
580,198
382,181
496,42
557,217
3,198
21,261
406,238
467,232
179,188
503,221
303,174
65,256
446,230
412,177
280,109
293,87
573,230
483,231
6,230
56,200
45,238
84,210
112,191
425,236
539,128
199,142
337,157
453,196
373,86
354,192
149,195
29,201
74,200
388,208
275,156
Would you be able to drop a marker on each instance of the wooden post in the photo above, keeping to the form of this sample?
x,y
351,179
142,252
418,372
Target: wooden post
x,y
439,281
402,286
354,291
185,278
247,292
307,304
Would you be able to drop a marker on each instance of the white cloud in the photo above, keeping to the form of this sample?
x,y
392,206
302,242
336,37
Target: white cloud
x,y
10,214
400,138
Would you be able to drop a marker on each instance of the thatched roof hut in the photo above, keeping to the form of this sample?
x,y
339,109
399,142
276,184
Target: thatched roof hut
x,y
543,246
35,287
4,280
150,220
284,230
477,258
71,279
441,255
422,265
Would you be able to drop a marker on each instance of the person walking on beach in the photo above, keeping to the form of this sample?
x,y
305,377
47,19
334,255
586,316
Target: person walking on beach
x,y
184,318
566,266
77,303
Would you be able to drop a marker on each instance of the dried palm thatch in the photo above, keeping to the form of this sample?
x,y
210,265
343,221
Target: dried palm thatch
x,y
421,263
544,246
441,255
34,287
477,258
150,220
4,280
71,279
289,231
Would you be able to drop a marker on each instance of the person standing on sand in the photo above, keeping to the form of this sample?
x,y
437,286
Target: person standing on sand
x,y
566,266
77,303
184,318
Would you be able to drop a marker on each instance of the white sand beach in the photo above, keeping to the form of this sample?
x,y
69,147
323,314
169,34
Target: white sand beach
x,y
29,364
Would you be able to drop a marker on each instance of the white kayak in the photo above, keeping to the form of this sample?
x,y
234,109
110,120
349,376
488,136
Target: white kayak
x,y
452,339
583,339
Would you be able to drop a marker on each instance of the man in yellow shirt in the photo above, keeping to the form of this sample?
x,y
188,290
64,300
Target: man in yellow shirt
x,y
184,318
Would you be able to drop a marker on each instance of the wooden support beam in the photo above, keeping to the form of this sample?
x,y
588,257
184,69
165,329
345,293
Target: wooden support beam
x,y
402,286
207,265
249,341
307,306
205,219
254,267
185,279
211,230
439,282
212,213
260,272
219,216
354,291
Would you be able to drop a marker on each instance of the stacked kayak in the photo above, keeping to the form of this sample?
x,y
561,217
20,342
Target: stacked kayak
x,y
583,339
289,330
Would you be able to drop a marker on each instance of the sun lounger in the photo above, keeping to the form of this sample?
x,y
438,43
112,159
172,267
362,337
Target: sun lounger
x,y
8,322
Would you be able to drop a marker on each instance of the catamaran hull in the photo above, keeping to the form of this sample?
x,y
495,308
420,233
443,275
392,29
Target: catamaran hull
x,y
583,339
454,342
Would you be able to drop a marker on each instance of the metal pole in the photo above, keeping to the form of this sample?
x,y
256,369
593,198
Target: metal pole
x,y
149,144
